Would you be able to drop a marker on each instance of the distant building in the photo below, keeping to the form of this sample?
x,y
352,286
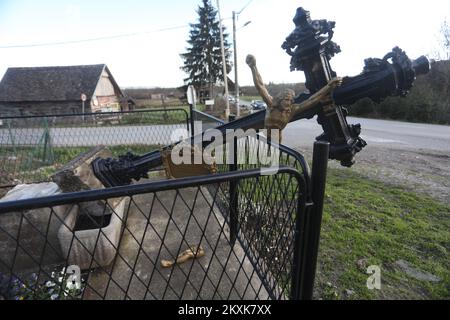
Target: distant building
x,y
60,90
157,96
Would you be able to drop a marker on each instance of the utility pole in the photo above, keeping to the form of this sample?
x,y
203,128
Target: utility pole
x,y
225,78
236,82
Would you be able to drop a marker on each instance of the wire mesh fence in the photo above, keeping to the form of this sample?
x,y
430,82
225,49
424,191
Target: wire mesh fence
x,y
160,240
33,147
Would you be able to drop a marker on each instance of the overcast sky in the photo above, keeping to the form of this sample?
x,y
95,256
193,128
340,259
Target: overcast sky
x,y
148,56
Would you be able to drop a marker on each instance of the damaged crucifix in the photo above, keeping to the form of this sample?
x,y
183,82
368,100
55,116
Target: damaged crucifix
x,y
281,109
311,48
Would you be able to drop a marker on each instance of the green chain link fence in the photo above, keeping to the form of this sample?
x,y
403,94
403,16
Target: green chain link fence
x,y
34,147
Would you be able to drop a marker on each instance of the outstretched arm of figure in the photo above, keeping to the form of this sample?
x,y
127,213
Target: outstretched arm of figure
x,y
257,80
320,98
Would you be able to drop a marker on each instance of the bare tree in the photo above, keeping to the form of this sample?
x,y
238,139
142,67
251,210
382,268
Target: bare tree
x,y
445,31
442,52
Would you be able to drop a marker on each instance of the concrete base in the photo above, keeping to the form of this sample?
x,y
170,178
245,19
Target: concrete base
x,y
223,273
91,248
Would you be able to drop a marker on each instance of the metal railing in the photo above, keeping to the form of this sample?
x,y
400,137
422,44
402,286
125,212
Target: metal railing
x,y
33,147
208,121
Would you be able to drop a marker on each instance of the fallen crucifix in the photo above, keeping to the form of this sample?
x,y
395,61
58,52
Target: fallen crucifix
x,y
311,47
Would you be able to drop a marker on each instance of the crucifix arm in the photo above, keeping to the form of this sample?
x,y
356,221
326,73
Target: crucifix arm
x,y
257,80
321,97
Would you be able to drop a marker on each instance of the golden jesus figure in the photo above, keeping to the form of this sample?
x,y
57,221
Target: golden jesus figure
x,y
281,108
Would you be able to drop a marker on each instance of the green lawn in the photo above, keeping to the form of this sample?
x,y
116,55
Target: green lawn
x,y
30,164
200,107
366,223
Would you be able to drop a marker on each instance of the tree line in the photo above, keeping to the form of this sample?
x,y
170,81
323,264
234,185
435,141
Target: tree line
x,y
428,101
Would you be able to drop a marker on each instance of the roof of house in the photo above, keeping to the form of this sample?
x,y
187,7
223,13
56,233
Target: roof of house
x,y
51,83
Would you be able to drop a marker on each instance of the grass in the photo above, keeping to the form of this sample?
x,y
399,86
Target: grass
x,y
29,168
64,155
200,107
156,117
371,223
145,116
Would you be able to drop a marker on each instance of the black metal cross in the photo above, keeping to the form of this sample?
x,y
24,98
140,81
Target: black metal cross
x,y
311,49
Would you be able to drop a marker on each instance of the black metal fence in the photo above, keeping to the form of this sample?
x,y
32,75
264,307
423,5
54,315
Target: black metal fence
x,y
121,237
33,147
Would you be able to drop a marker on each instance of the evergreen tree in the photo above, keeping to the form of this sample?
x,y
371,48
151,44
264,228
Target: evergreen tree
x,y
203,59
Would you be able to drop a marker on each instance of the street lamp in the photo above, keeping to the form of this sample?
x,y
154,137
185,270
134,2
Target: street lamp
x,y
236,82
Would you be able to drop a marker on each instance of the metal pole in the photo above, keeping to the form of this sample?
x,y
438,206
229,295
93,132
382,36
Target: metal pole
x,y
236,82
192,107
191,119
225,80
313,220
11,135
234,196
82,109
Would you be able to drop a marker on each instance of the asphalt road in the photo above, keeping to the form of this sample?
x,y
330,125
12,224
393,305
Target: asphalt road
x,y
414,156
389,134
302,133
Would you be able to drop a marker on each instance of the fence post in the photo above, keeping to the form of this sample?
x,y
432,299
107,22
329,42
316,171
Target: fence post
x,y
191,116
234,196
11,136
46,141
313,220
188,120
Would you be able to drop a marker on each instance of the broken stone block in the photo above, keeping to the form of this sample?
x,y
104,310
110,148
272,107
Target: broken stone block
x,y
93,243
31,232
29,191
91,232
78,175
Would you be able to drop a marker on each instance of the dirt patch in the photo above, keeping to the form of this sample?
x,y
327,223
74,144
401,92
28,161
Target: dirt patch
x,y
423,171
420,170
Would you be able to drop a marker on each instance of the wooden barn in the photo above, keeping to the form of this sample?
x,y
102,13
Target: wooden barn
x,y
60,90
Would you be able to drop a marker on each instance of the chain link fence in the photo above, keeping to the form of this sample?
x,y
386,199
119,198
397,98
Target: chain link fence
x,y
33,147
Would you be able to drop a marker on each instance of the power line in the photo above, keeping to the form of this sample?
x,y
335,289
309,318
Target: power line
x,y
126,35
118,36
248,3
